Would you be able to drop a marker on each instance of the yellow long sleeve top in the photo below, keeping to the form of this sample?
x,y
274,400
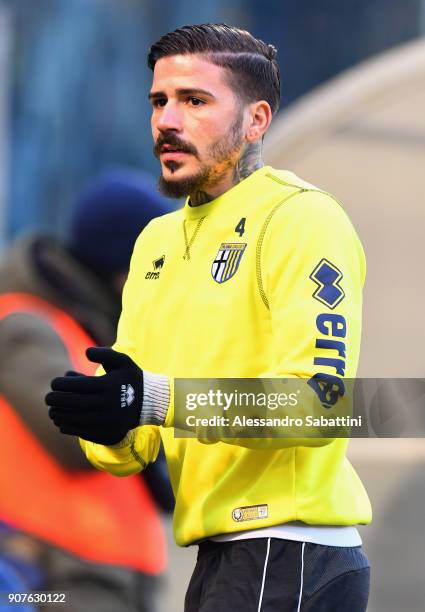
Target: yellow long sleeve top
x,y
265,280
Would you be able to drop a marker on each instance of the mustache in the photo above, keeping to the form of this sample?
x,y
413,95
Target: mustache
x,y
173,140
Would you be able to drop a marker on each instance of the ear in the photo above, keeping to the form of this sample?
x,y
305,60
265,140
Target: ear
x,y
260,117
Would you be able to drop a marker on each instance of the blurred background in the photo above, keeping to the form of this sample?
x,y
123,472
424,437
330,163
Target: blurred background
x,y
73,102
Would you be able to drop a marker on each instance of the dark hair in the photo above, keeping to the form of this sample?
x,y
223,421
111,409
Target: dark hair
x,y
251,63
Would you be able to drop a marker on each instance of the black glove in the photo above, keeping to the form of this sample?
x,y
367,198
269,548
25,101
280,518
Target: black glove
x,y
100,409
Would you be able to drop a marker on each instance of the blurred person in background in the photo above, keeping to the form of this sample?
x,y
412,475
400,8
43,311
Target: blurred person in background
x,y
260,274
66,526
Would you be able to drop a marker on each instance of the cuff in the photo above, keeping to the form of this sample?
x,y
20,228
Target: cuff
x,y
128,439
156,399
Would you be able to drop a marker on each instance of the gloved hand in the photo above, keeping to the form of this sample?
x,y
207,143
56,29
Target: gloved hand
x,y
100,409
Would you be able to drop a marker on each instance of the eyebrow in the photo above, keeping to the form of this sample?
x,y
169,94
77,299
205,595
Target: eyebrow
x,y
190,91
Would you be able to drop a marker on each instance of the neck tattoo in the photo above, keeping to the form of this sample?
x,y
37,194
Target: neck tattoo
x,y
200,197
249,161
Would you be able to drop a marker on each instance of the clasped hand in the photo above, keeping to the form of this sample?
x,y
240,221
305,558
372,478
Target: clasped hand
x,y
100,409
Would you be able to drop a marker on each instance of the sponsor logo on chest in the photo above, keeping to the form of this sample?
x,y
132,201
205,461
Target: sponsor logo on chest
x,y
157,264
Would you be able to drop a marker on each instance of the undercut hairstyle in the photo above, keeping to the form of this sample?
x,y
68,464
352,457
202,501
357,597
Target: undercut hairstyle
x,y
252,68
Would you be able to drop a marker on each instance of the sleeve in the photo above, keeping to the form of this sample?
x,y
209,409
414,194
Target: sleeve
x,y
141,445
139,448
33,354
311,275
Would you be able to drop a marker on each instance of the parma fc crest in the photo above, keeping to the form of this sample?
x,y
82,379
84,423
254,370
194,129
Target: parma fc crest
x,y
227,261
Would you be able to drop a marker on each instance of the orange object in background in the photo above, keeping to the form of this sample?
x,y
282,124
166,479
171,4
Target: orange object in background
x,y
91,514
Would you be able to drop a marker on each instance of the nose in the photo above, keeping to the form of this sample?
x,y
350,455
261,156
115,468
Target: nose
x,y
169,118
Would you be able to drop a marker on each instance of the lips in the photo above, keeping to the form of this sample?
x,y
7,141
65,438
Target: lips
x,y
170,148
169,152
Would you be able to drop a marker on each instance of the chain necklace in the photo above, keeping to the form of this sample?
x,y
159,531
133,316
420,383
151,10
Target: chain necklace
x,y
192,239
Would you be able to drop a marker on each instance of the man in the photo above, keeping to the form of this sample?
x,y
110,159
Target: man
x,y
57,297
274,517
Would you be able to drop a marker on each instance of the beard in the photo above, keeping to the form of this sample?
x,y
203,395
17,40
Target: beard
x,y
182,187
222,155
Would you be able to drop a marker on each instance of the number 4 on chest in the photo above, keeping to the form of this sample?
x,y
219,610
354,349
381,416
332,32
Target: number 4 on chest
x,y
240,228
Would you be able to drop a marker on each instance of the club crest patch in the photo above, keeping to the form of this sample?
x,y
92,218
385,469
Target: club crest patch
x,y
227,261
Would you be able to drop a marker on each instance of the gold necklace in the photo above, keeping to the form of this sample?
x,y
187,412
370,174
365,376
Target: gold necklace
x,y
192,239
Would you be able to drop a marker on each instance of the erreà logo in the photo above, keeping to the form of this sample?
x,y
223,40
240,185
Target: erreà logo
x,y
127,395
157,266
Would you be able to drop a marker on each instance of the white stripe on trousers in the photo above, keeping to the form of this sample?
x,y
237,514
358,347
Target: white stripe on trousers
x,y
302,578
265,571
264,575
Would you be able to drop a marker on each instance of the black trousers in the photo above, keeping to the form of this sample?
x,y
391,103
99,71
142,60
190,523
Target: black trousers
x,y
272,575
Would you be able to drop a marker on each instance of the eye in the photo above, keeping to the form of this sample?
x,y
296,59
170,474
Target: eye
x,y
159,102
195,101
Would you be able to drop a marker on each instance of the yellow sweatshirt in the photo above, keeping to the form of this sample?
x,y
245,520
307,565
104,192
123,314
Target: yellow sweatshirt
x,y
265,280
